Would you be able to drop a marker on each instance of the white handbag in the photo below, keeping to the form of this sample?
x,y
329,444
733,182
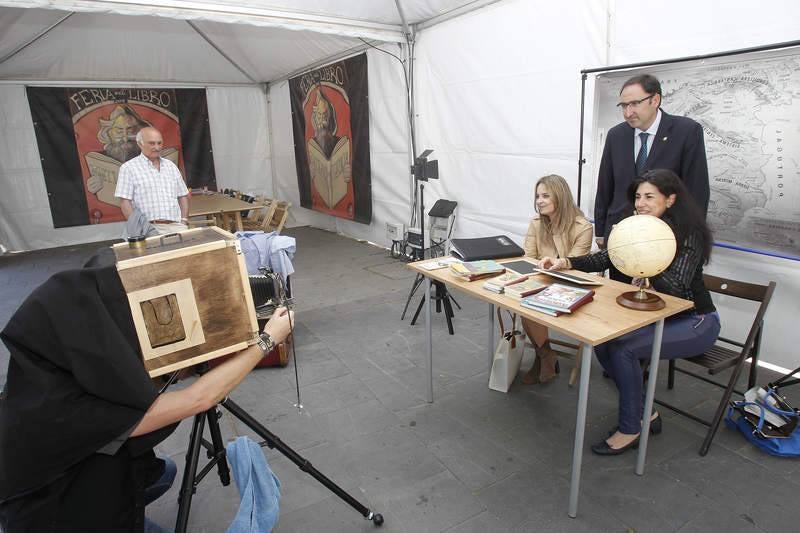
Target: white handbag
x,y
507,356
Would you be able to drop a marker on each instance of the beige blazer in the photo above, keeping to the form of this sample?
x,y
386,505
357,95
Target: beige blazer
x,y
577,242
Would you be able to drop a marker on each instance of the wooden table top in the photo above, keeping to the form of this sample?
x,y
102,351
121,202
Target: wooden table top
x,y
208,204
598,321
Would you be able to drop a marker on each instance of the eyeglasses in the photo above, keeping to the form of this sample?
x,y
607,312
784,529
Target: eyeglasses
x,y
634,104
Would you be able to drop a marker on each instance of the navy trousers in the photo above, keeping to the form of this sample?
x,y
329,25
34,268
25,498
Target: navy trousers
x,y
684,336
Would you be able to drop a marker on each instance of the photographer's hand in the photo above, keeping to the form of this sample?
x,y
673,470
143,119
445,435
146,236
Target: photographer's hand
x,y
279,324
213,386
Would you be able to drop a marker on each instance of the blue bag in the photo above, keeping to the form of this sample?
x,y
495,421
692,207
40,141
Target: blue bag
x,y
767,421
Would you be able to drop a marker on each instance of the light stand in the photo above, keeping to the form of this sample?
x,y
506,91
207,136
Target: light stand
x,y
424,170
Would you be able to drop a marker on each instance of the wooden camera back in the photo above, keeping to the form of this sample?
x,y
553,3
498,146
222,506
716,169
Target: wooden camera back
x,y
189,296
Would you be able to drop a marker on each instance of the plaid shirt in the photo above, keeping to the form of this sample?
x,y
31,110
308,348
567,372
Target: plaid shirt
x,y
154,192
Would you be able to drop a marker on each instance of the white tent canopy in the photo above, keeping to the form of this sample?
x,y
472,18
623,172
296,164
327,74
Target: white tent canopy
x,y
496,86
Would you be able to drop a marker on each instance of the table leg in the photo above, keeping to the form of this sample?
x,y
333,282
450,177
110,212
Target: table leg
x,y
492,343
428,339
237,217
226,221
655,355
580,427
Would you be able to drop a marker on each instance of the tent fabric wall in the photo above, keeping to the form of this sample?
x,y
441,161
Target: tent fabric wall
x,y
501,108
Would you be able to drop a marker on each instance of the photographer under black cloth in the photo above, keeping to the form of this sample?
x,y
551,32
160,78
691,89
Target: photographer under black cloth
x,y
76,389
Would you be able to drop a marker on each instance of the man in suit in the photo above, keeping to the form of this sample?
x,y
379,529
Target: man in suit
x,y
671,142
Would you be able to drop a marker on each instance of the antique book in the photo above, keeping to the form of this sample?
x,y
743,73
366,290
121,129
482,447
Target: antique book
x,y
441,262
561,298
525,288
544,310
473,270
330,175
497,284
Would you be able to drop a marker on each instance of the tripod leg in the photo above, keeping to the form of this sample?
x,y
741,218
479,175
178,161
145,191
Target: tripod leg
x,y
419,308
217,451
453,300
414,287
274,442
448,314
189,471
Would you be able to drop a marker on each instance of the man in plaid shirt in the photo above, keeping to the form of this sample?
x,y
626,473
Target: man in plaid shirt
x,y
153,185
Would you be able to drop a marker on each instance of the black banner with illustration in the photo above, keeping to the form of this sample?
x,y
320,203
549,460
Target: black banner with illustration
x,y
85,134
330,120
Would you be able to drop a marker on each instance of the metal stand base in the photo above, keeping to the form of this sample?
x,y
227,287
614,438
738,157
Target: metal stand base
x,y
216,454
442,297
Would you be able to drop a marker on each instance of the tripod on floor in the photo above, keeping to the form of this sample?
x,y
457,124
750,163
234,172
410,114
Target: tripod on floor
x,y
217,457
441,296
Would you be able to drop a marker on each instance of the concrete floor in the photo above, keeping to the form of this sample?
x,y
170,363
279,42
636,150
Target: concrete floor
x,y
475,460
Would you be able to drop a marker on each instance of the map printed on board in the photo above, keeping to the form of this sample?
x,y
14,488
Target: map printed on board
x,y
749,107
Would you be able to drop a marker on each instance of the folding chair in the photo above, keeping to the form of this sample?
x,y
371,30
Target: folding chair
x,y
260,217
278,218
719,358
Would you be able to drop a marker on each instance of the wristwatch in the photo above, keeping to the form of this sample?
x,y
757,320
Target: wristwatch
x,y
266,343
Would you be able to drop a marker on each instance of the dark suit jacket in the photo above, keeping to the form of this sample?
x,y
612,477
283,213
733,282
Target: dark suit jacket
x,y
677,146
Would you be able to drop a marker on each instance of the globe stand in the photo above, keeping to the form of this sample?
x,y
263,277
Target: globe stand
x,y
641,300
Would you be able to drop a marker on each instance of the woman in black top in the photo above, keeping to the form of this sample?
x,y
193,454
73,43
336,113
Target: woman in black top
x,y
662,194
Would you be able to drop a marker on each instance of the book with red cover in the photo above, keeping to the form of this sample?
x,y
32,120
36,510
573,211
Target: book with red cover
x,y
561,298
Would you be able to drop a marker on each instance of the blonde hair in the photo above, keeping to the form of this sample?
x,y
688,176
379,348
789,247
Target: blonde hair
x,y
565,211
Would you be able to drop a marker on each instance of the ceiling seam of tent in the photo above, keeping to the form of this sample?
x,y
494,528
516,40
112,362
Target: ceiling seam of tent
x,y
40,35
403,21
453,13
221,52
344,54
254,16
121,83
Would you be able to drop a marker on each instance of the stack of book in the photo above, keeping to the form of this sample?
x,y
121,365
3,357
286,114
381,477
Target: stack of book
x,y
498,284
472,270
558,299
524,288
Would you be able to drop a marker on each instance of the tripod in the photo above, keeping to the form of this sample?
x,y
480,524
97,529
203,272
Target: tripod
x,y
217,456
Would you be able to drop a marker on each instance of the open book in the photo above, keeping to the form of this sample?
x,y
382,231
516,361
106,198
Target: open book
x,y
330,175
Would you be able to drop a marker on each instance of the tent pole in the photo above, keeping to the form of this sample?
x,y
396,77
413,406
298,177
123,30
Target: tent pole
x,y
220,51
271,140
35,38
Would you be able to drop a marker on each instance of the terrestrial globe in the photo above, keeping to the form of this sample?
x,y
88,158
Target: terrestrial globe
x,y
641,246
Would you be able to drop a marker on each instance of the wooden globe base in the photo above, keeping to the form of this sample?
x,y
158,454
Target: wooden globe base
x,y
641,301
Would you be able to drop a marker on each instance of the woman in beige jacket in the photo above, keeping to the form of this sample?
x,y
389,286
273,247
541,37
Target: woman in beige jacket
x,y
560,230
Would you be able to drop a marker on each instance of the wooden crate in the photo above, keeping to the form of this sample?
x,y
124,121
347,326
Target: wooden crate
x,y
190,297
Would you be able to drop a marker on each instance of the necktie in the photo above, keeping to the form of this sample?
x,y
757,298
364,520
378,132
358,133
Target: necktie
x,y
641,158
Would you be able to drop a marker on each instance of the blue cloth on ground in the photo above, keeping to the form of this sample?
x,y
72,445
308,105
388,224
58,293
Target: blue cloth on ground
x,y
267,250
259,488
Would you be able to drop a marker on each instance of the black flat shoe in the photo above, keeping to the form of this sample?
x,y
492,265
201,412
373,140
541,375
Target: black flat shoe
x,y
602,447
655,427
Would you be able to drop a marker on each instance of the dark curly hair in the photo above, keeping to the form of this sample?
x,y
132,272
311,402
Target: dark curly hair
x,y
684,216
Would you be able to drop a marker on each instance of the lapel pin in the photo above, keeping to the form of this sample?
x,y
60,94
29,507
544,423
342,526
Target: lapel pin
x,y
665,139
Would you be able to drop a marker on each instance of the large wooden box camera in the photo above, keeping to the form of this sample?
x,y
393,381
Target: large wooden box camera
x,y
189,296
